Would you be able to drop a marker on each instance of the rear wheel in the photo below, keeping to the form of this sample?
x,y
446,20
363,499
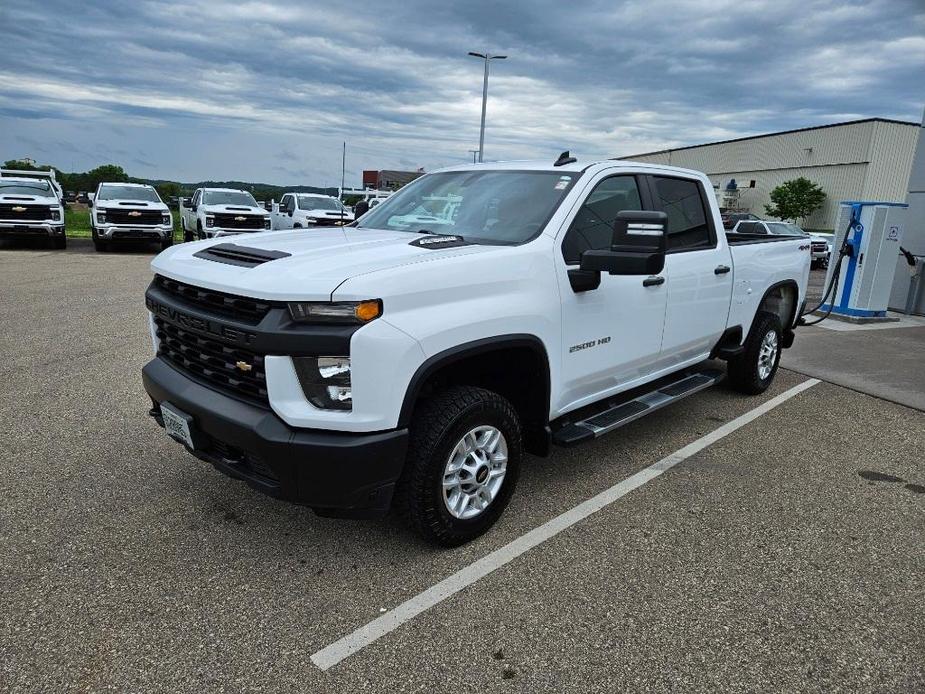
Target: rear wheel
x,y
753,371
463,463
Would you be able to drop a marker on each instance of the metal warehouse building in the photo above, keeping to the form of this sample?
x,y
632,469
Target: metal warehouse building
x,y
857,160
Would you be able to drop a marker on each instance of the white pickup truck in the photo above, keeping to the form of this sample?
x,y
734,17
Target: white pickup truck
x,y
127,212
309,211
213,212
31,206
378,365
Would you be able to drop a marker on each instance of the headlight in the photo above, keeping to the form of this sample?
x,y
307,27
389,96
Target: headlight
x,y
100,217
325,381
210,221
336,312
309,220
266,223
165,219
56,215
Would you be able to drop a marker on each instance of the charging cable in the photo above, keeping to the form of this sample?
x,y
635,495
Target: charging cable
x,y
846,251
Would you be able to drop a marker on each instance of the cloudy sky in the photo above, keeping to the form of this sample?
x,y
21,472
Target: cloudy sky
x,y
267,91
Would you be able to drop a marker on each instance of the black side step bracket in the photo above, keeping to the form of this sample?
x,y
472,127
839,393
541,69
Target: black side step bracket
x,y
619,415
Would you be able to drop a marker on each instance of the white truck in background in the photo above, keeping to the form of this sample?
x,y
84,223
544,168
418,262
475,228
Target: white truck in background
x,y
128,212
32,206
389,363
213,212
309,211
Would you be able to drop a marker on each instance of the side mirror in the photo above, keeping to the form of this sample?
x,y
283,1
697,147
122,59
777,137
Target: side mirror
x,y
89,202
637,248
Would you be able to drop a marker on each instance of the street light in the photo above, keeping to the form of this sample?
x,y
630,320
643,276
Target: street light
x,y
487,58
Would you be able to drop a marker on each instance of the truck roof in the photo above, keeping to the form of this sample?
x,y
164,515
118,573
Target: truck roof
x,y
120,183
226,190
548,165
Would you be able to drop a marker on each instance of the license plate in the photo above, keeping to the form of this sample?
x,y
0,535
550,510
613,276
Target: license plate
x,y
177,424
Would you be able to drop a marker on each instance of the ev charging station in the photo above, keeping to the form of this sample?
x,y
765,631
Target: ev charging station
x,y
874,231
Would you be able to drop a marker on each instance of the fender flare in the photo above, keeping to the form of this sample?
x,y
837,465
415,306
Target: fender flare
x,y
470,349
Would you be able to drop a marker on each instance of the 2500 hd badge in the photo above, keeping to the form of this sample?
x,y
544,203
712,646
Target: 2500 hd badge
x,y
589,345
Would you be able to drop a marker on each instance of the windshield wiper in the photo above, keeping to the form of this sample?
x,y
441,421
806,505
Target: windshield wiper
x,y
425,231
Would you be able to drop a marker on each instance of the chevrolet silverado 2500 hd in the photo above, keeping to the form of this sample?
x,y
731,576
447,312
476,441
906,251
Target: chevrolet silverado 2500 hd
x,y
382,364
31,206
129,212
309,211
215,212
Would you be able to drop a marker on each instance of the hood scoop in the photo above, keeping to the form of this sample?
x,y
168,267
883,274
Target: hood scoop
x,y
242,256
134,204
19,197
238,209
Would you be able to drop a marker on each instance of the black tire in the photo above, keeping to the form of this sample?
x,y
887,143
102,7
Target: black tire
x,y
59,242
199,234
187,235
100,246
166,243
439,424
744,370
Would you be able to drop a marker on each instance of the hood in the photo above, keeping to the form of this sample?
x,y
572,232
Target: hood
x,y
317,263
18,198
234,209
121,203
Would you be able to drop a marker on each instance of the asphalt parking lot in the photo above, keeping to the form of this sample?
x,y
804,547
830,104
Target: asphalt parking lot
x,y
787,555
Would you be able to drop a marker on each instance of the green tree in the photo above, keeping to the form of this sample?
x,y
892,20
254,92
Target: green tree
x,y
168,190
795,199
23,165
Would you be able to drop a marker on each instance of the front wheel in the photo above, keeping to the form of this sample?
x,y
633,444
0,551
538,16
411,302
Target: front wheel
x,y
166,242
752,371
463,463
59,242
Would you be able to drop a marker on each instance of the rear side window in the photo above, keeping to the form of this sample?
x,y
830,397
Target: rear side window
x,y
680,199
592,228
749,228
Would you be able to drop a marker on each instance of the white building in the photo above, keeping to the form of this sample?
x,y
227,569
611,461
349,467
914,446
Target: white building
x,y
866,159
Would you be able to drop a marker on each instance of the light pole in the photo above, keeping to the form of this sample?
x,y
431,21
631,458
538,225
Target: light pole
x,y
487,58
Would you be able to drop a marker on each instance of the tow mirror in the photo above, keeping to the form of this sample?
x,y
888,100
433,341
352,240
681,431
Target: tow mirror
x,y
637,247
89,202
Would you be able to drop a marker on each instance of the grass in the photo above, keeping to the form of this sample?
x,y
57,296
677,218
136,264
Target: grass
x,y
77,224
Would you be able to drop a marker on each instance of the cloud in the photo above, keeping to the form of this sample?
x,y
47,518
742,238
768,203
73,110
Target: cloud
x,y
269,90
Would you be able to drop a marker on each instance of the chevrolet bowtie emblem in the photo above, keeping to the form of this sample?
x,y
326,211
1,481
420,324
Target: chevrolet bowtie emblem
x,y
243,365
134,213
19,208
240,219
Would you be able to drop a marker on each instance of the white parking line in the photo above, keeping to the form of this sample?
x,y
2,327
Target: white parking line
x,y
331,655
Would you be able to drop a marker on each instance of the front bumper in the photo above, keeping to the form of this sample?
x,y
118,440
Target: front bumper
x,y
215,232
10,229
134,233
335,473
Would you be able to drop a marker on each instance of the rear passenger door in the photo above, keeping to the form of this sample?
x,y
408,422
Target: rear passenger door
x,y
698,267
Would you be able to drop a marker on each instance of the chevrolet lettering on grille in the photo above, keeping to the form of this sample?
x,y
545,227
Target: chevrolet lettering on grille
x,y
198,324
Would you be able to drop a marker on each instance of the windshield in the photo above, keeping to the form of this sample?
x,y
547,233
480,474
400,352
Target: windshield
x,y
228,197
506,207
308,202
784,229
25,188
128,193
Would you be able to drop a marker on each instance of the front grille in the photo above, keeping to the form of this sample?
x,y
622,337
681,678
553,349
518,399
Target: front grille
x,y
31,212
239,221
129,216
326,222
239,308
819,246
212,361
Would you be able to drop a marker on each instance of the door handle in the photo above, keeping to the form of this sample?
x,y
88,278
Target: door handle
x,y
721,269
653,281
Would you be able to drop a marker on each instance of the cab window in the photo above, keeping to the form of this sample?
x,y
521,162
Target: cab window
x,y
688,225
592,228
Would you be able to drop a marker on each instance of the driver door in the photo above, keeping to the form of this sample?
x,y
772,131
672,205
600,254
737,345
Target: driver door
x,y
612,335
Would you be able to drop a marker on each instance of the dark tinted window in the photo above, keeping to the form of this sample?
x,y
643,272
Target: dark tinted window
x,y
592,228
749,228
680,199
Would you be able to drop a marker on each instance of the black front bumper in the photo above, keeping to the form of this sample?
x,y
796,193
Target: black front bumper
x,y
338,474
11,230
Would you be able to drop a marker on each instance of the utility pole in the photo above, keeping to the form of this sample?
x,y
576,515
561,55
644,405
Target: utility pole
x,y
487,58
